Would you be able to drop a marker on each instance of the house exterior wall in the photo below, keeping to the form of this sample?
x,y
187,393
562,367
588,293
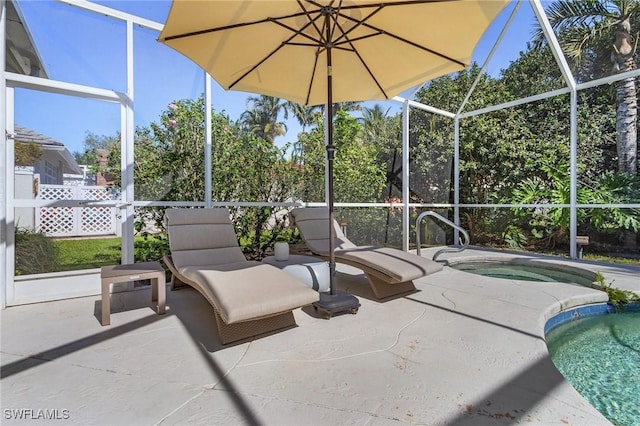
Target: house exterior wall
x,y
49,167
23,187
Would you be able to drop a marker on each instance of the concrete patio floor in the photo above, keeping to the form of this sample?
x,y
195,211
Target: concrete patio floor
x,y
463,350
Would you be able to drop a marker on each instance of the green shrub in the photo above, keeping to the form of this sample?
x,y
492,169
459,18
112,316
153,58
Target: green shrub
x,y
514,238
35,252
150,247
617,297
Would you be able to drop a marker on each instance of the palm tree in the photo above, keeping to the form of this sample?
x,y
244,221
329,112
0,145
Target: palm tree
x,y
604,29
346,106
261,117
306,117
304,114
375,122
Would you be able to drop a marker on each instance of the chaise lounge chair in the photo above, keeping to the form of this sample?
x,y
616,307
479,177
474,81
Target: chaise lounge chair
x,y
390,271
249,298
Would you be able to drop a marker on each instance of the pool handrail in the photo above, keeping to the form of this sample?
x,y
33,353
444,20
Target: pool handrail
x,y
463,244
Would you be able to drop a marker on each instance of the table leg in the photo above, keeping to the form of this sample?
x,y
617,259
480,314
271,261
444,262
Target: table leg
x,y
159,292
106,303
154,289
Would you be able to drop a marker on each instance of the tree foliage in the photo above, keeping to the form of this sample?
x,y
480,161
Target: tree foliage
x,y
93,144
358,176
504,152
600,38
519,154
261,119
26,154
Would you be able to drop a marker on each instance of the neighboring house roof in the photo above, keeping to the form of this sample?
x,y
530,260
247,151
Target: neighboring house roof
x,y
50,145
22,55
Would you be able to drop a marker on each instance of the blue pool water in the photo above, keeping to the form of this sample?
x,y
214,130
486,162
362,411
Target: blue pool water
x,y
600,356
526,270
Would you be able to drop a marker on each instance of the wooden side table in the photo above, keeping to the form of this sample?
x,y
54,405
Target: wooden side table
x,y
133,272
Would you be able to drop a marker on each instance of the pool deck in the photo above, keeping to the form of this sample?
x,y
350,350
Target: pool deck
x,y
462,350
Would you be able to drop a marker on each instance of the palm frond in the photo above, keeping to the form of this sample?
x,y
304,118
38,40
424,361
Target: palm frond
x,y
572,14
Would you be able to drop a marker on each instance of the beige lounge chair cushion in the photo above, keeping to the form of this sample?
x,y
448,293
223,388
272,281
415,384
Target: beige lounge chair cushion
x,y
206,254
398,265
249,290
313,224
202,237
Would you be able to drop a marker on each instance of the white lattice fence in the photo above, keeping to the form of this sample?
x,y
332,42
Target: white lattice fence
x,y
76,221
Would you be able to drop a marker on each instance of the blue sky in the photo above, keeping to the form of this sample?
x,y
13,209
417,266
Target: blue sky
x,y
85,48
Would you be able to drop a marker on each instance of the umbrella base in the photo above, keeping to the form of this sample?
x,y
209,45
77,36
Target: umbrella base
x,y
334,304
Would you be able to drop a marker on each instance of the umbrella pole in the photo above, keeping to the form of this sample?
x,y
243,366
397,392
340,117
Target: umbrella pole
x,y
331,149
334,302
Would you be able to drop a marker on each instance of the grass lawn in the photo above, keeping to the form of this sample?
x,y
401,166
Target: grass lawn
x,y
84,253
88,253
604,258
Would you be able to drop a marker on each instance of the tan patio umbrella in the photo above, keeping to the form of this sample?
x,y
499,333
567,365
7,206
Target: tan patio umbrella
x,y
323,51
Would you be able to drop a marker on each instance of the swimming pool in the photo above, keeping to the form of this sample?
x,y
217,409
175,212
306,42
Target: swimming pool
x,y
524,269
599,354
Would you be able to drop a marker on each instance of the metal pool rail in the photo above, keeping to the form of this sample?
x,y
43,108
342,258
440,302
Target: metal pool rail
x,y
464,242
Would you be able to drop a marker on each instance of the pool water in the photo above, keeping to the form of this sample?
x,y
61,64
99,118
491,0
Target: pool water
x,y
529,271
600,357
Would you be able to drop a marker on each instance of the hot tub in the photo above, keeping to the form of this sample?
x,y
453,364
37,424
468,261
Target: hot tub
x,y
524,269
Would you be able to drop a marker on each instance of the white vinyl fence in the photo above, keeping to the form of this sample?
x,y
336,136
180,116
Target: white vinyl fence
x,y
75,221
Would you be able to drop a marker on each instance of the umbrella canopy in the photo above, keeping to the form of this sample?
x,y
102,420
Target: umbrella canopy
x,y
323,51
278,48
